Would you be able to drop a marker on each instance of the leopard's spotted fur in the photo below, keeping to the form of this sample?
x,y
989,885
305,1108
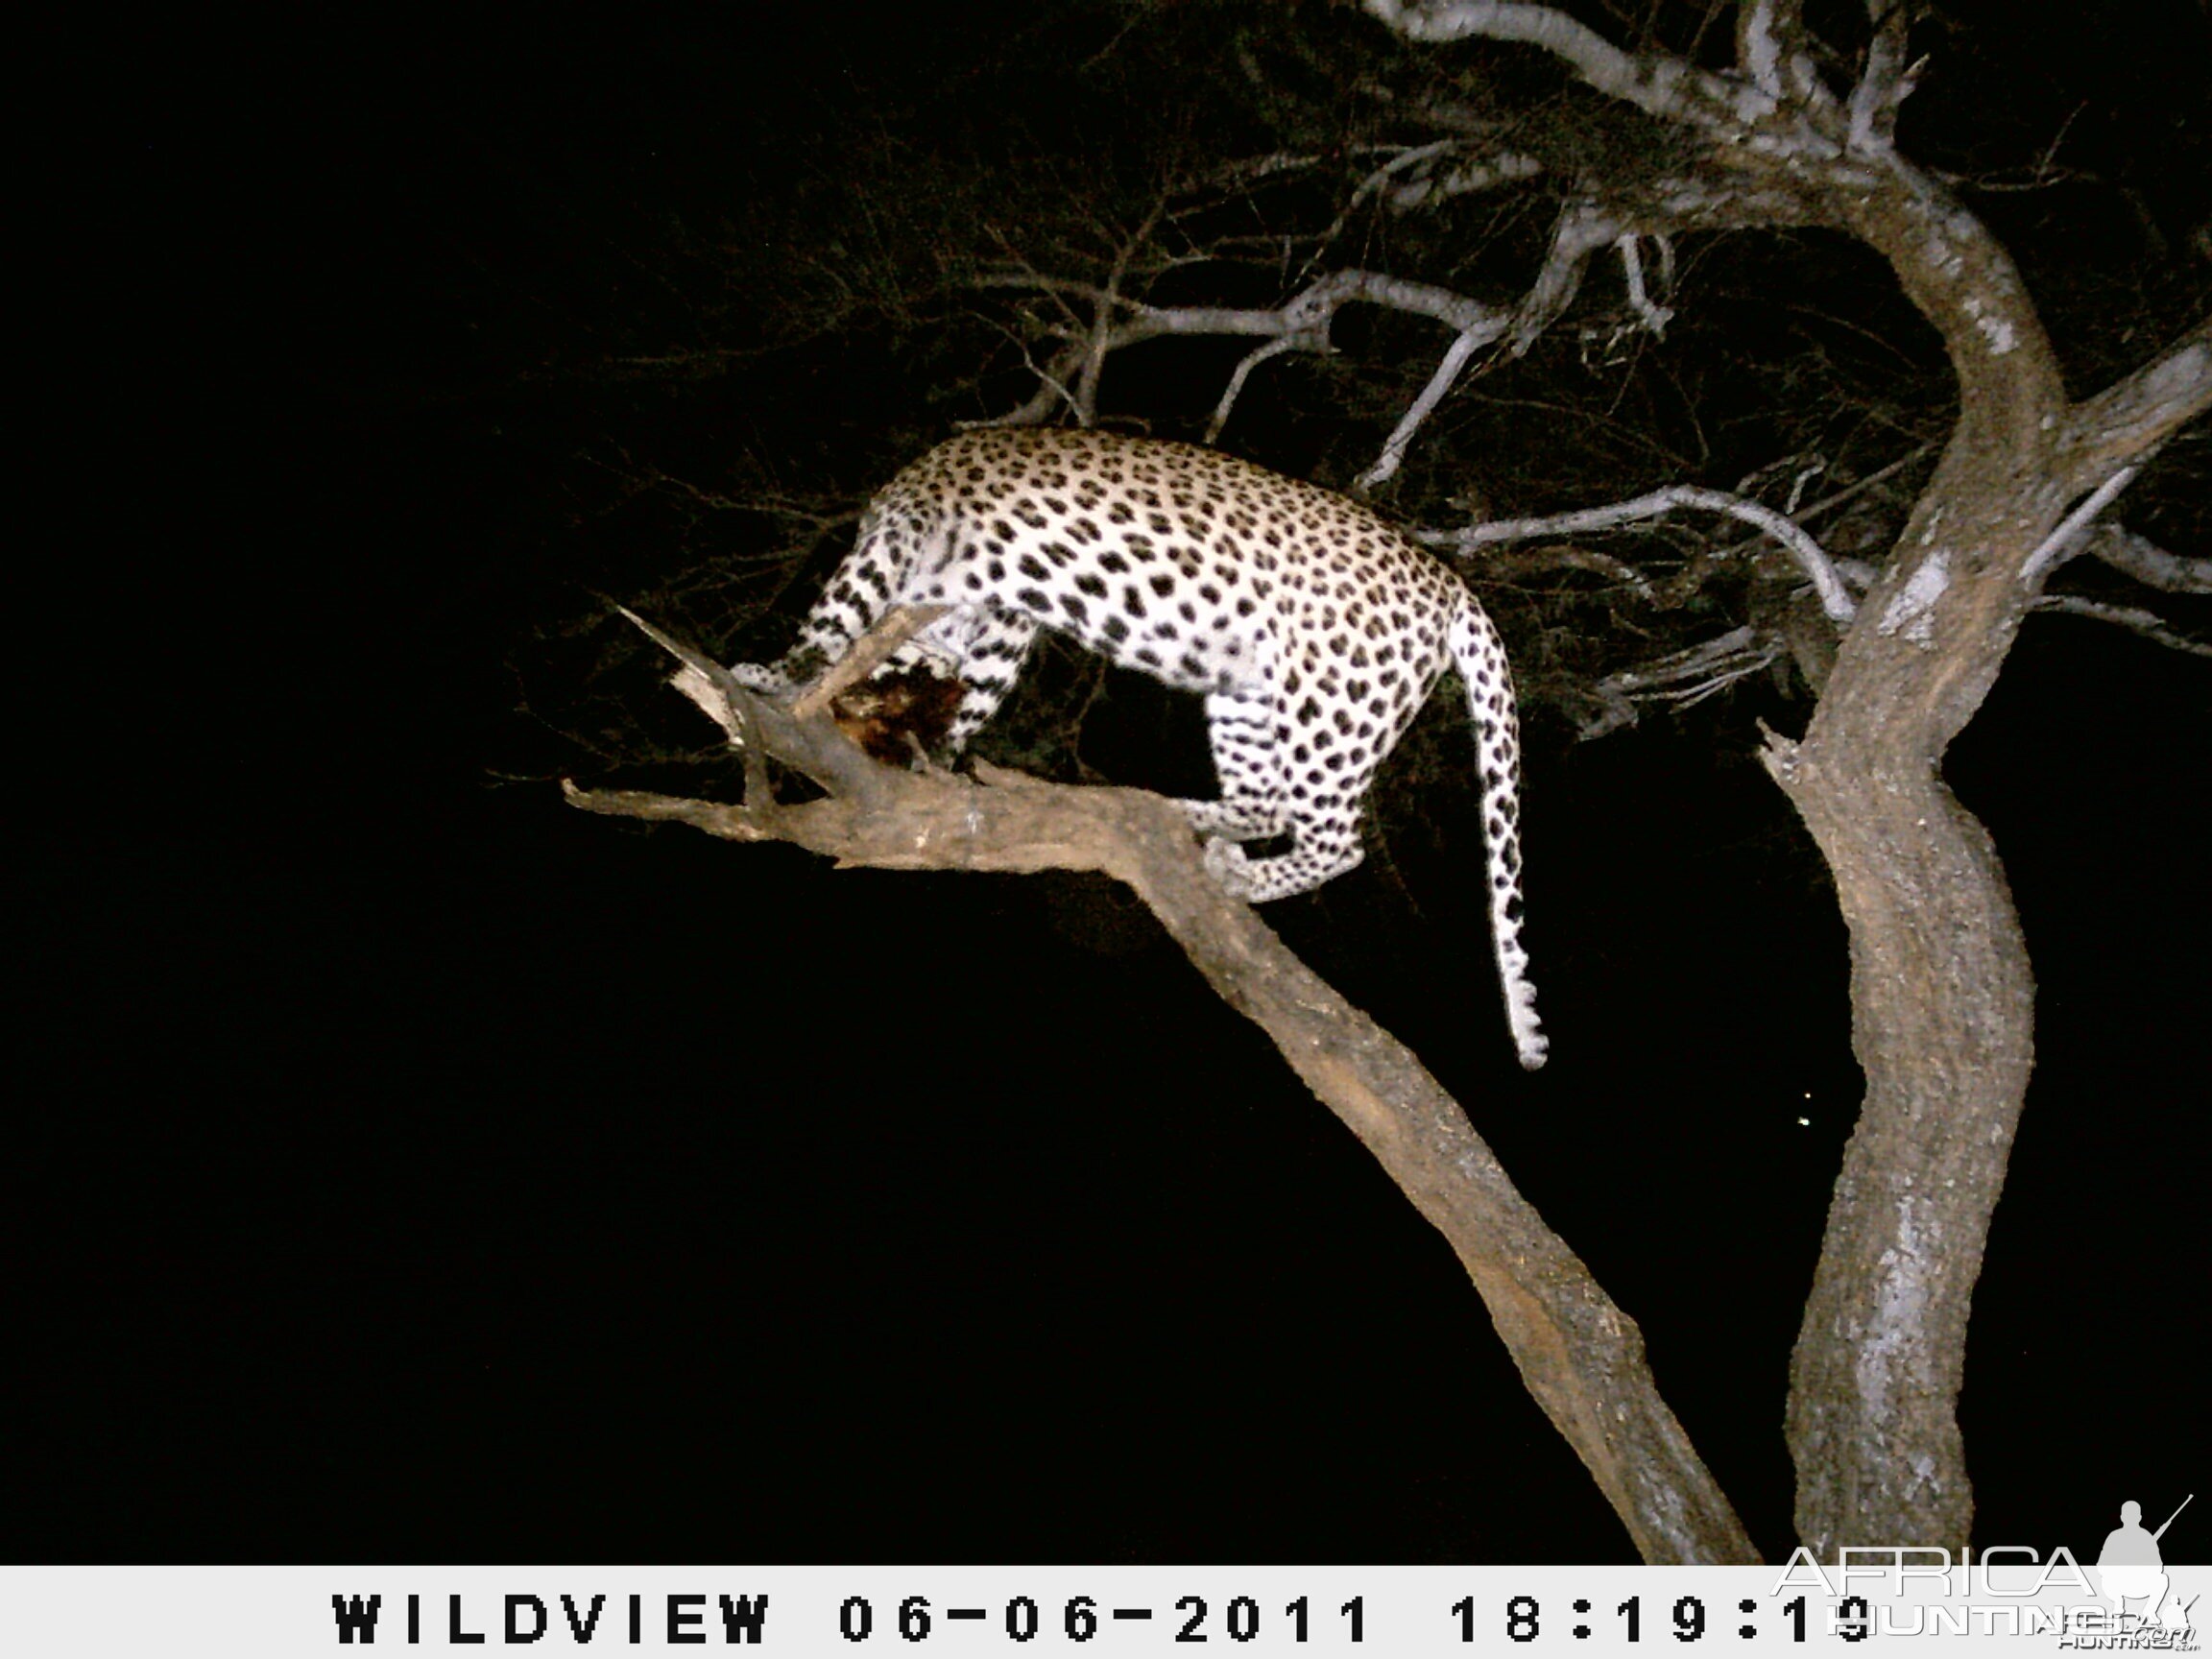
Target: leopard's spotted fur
x,y
1312,629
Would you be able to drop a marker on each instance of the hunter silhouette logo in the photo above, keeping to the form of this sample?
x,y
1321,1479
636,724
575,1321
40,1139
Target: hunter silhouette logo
x,y
2132,1569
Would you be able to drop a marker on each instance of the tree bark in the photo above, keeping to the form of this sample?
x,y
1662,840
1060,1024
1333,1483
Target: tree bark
x,y
1942,995
1942,1005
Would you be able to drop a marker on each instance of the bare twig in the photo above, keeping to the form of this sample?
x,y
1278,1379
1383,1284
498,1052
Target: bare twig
x,y
1684,679
2149,562
1405,159
1477,173
1051,391
1300,324
1881,475
1583,229
1448,370
1886,82
2059,544
1304,314
2130,617
1565,556
1245,364
1835,598
1101,322
1653,315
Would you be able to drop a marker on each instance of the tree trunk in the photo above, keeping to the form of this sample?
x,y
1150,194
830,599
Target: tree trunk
x,y
1941,998
1942,1019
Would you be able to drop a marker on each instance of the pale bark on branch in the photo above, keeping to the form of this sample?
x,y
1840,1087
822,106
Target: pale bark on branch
x,y
1300,324
1579,1355
2119,425
2148,562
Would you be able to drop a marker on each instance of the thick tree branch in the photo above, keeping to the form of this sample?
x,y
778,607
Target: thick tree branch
x,y
1652,85
2126,420
1581,1358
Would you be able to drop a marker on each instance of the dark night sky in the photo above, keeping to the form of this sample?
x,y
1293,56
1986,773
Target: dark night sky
x,y
413,1168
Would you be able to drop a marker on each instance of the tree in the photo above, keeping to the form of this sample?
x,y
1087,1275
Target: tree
x,y
1900,642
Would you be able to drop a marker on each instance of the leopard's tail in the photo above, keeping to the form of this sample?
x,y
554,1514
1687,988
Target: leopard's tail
x,y
1479,656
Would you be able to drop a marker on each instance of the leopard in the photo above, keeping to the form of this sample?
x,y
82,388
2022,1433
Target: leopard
x,y
1312,628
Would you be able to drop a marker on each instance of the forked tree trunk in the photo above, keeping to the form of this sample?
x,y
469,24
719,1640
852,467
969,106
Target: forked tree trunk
x,y
1942,997
1942,1005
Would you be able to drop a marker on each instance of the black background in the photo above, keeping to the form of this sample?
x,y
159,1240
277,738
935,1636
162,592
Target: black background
x,y
409,1167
